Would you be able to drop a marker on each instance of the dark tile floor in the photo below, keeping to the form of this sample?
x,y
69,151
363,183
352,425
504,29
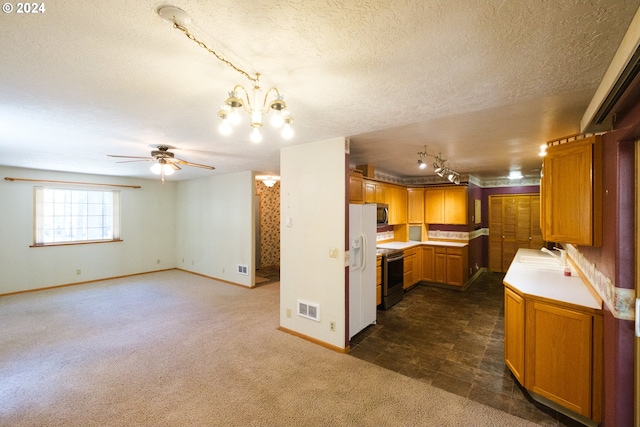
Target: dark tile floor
x,y
454,341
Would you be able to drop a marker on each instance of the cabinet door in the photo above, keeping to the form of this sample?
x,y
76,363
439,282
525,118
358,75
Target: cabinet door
x,y
409,262
417,266
572,186
514,309
454,270
427,264
356,189
559,353
455,205
415,205
380,193
434,206
369,192
440,266
397,197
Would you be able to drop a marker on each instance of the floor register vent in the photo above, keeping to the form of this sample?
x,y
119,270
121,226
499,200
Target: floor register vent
x,y
309,310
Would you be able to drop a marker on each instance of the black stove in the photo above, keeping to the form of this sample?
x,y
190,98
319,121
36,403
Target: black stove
x,y
392,276
388,251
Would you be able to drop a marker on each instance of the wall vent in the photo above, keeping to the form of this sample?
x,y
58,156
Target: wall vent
x,y
243,269
309,310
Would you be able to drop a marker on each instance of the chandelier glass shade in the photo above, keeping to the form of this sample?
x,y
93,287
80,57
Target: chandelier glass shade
x,y
256,106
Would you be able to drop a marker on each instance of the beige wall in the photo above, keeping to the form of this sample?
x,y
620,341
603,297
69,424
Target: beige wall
x,y
215,227
147,231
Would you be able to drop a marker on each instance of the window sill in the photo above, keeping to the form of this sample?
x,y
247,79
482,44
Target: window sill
x,y
88,242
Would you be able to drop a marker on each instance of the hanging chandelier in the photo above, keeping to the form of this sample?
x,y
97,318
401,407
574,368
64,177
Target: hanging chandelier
x,y
252,102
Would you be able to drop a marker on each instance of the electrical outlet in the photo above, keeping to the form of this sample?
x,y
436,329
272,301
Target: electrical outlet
x,y
332,326
288,312
78,272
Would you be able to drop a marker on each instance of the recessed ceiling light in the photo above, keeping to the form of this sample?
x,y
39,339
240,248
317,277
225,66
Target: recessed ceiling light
x,y
515,175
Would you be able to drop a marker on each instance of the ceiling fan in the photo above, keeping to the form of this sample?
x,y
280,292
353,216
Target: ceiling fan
x,y
166,162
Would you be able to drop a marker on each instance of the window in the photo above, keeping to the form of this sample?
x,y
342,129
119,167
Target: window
x,y
75,216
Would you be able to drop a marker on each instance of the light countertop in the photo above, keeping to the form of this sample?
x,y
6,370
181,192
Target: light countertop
x,y
413,243
548,281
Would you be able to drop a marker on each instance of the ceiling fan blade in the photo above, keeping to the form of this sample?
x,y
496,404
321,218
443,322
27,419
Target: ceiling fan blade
x,y
132,161
184,162
174,166
131,157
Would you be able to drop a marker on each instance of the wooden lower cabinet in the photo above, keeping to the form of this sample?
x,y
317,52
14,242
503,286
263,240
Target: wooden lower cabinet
x,y
555,351
410,267
378,280
450,265
428,268
514,334
440,265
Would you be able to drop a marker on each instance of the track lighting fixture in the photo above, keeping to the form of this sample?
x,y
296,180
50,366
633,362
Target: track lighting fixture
x,y
439,167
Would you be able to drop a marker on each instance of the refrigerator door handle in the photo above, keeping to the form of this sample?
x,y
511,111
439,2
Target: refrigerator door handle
x,y
363,252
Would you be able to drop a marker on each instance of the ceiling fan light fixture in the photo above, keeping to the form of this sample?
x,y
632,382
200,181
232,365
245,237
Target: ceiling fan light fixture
x,y
162,167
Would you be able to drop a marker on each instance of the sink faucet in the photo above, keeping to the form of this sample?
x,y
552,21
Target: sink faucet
x,y
562,257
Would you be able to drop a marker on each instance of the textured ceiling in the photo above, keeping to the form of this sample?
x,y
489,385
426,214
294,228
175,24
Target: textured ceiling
x,y
483,82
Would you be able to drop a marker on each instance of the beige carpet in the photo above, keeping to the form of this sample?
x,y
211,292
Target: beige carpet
x,y
174,349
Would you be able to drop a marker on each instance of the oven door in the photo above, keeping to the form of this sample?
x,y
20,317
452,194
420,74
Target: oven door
x,y
393,279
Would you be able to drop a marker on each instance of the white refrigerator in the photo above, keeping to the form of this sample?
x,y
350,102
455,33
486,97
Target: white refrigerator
x,y
362,267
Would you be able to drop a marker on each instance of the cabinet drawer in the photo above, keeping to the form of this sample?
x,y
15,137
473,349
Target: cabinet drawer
x,y
441,250
454,251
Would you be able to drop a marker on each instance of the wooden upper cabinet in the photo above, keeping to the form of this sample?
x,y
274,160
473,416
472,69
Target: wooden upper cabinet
x,y
373,192
369,192
396,198
434,206
445,205
415,205
356,188
572,192
455,205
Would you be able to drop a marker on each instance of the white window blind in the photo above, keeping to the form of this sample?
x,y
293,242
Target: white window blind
x,y
75,215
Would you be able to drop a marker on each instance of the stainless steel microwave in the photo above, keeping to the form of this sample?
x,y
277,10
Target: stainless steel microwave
x,y
383,214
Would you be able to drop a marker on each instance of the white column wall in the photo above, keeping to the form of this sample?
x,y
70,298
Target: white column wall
x,y
312,198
